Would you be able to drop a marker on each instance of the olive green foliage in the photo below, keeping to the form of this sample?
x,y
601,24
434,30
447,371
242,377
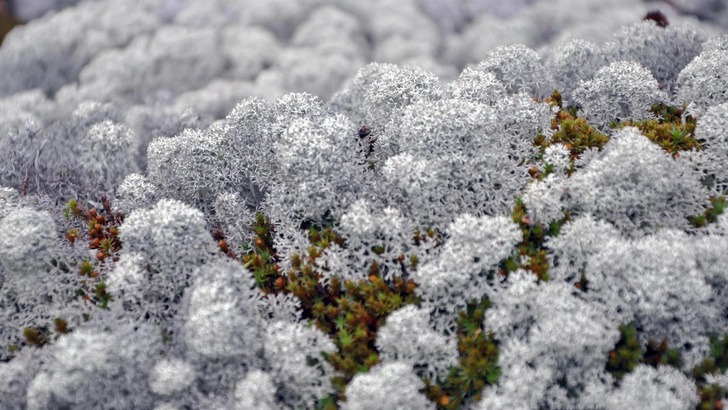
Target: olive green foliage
x,y
102,235
478,364
717,363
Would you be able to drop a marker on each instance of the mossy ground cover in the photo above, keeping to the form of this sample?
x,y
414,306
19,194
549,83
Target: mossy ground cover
x,y
351,313
478,350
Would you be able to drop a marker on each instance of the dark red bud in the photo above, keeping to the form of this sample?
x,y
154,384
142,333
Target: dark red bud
x,y
658,17
364,132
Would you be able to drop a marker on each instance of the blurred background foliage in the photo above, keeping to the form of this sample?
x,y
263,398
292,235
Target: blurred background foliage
x,y
16,12
7,20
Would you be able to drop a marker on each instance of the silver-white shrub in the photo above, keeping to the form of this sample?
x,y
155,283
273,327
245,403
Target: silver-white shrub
x,y
10,200
320,163
188,167
705,80
249,146
579,238
221,317
170,376
712,256
172,60
134,193
351,100
364,225
249,49
24,107
562,331
712,130
327,50
56,160
298,368
409,174
638,187
197,166
331,29
622,91
280,307
395,89
404,23
475,245
88,113
524,382
584,20
519,68
484,34
235,220
311,70
656,279
28,243
279,16
520,120
166,406
150,123
477,86
558,156
162,247
464,125
543,200
16,375
296,106
442,152
460,141
32,9
120,360
110,154
392,383
213,101
33,291
289,239
406,337
572,62
255,391
654,388
716,43
170,234
663,51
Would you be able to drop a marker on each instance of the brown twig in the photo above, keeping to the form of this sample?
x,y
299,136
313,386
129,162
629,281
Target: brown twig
x,y
34,163
24,187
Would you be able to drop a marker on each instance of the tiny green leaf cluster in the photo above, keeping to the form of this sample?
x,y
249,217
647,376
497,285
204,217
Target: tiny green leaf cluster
x,y
627,355
350,313
478,364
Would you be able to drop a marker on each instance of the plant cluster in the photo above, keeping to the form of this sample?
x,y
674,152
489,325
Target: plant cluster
x,y
628,354
103,236
466,244
349,312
